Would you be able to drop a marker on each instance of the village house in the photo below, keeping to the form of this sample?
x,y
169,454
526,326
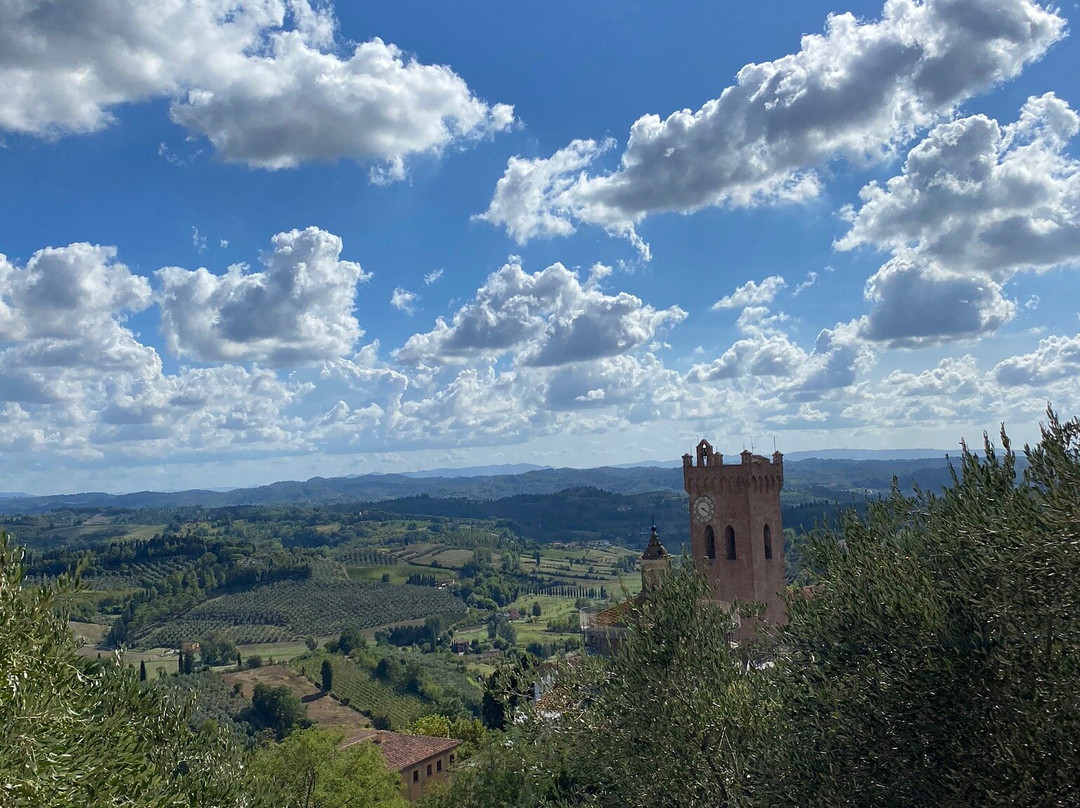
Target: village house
x,y
420,759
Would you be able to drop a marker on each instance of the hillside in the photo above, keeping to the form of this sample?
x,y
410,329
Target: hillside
x,y
805,479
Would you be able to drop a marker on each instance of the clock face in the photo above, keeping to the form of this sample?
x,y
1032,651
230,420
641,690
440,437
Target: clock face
x,y
703,509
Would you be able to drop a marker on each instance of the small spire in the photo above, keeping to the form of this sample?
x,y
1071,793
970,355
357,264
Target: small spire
x,y
655,549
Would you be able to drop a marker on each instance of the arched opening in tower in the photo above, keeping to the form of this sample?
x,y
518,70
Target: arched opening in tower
x,y
768,542
710,543
730,535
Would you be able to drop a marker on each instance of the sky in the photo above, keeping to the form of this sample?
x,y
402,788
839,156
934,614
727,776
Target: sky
x,y
243,242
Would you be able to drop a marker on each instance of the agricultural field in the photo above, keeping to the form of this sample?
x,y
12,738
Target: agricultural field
x,y
359,688
322,708
270,578
399,574
289,610
277,651
211,699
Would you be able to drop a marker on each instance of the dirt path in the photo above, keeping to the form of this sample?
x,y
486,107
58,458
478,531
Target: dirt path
x,y
323,709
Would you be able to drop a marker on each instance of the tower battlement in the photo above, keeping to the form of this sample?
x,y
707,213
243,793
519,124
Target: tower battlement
x,y
753,472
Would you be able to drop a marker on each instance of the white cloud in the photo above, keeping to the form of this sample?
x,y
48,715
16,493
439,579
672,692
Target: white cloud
x,y
919,303
265,81
950,377
856,92
759,355
433,276
404,300
752,294
975,204
979,197
1056,358
534,196
811,279
546,318
299,309
68,293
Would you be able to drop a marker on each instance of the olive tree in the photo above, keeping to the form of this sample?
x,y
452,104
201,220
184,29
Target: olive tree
x,y
78,732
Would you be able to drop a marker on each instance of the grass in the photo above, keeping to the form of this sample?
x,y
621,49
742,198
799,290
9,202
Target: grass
x,y
279,651
452,558
399,573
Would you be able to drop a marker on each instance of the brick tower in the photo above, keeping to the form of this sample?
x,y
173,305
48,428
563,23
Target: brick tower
x,y
736,537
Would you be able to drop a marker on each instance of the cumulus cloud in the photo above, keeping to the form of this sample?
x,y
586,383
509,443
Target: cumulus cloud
x,y
759,355
979,197
920,303
950,377
856,92
752,294
546,318
1055,358
298,309
534,197
404,300
769,358
74,292
266,81
975,204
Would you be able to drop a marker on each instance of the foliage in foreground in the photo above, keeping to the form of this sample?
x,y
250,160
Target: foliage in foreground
x,y
307,770
77,732
937,663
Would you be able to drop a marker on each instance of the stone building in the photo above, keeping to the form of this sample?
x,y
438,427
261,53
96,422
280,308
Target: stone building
x,y
420,759
736,535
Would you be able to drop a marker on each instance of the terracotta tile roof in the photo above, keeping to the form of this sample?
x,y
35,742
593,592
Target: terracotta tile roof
x,y
403,751
615,615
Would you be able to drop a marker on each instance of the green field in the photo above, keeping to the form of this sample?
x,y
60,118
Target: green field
x,y
358,688
290,610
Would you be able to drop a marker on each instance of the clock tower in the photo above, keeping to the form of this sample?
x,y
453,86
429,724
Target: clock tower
x,y
736,537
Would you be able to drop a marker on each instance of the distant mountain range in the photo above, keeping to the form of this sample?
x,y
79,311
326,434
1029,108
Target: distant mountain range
x,y
814,477
870,454
477,471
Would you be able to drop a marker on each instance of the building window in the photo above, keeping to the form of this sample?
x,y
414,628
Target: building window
x,y
451,758
438,765
416,775
429,770
768,542
730,535
710,543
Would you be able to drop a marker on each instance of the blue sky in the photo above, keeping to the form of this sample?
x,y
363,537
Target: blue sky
x,y
246,242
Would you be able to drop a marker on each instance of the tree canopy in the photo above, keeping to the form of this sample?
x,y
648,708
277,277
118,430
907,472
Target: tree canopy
x,y
79,732
308,770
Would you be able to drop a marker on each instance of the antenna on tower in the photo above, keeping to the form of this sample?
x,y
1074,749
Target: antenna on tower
x,y
751,443
774,443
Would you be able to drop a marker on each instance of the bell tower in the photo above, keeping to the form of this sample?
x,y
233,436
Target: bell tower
x,y
655,563
736,537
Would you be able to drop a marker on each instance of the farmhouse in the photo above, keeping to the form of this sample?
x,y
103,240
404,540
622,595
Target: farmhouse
x,y
420,759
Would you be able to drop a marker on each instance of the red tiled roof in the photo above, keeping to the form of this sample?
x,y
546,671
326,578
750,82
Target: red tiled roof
x,y
615,615
402,751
